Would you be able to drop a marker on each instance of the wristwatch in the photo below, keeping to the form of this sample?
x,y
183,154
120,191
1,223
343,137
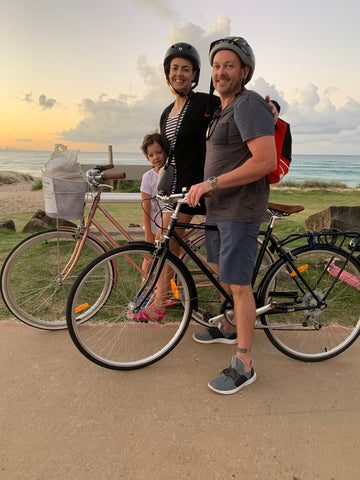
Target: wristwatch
x,y
212,181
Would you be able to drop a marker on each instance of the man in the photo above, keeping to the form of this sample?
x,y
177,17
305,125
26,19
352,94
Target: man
x,y
240,152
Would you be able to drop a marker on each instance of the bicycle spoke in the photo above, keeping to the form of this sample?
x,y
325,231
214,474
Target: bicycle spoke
x,y
30,284
314,324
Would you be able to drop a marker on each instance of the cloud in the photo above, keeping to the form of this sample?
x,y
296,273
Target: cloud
x,y
27,98
201,39
264,88
27,140
160,7
46,103
125,120
119,122
317,125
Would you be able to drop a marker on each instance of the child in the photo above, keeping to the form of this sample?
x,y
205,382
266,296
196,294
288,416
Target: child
x,y
153,150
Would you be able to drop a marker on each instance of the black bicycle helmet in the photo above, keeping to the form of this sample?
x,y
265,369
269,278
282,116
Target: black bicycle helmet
x,y
183,50
238,45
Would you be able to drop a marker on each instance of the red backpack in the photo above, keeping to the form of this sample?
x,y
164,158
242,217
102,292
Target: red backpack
x,y
283,143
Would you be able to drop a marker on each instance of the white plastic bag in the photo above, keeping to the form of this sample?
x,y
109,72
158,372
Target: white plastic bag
x,y
64,186
63,163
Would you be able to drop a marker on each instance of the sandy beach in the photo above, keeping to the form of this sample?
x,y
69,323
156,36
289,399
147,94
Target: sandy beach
x,y
18,197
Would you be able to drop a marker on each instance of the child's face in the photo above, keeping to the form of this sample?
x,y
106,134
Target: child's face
x,y
156,155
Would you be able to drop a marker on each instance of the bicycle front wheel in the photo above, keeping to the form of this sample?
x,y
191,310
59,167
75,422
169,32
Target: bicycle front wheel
x,y
113,338
31,283
296,326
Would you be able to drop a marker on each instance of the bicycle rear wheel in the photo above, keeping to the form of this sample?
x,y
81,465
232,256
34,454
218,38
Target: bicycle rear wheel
x,y
31,283
313,334
112,338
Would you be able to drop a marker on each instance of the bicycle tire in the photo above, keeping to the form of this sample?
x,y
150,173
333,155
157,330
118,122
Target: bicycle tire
x,y
29,278
112,338
312,335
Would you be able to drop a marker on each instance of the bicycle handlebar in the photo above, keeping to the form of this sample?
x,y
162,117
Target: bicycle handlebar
x,y
114,176
95,176
178,197
101,168
172,198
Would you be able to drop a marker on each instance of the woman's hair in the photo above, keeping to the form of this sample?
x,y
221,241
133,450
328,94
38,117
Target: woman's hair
x,y
149,139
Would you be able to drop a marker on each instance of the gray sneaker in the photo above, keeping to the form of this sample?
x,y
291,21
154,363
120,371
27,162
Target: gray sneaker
x,y
233,379
215,335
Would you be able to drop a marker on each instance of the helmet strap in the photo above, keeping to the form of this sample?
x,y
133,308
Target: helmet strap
x,y
208,105
180,94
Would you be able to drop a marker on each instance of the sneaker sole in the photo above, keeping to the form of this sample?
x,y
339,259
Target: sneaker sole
x,y
229,341
234,390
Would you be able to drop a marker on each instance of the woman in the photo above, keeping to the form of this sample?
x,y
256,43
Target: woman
x,y
183,126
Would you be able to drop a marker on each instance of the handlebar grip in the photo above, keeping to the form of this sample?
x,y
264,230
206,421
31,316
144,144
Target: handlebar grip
x,y
101,168
114,176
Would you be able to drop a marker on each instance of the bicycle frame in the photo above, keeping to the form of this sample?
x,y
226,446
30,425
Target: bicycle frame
x,y
162,250
269,240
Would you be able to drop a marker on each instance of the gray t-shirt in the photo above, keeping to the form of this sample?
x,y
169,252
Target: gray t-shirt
x,y
248,116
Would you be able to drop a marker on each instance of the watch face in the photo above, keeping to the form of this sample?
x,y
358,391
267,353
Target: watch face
x,y
212,181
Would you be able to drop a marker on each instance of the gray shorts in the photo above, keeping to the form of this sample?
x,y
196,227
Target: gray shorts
x,y
233,247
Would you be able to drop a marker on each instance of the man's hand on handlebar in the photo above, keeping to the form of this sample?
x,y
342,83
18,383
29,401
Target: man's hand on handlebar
x,y
203,189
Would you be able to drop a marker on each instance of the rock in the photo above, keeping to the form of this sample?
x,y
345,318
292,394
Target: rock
x,y
7,223
35,225
341,218
41,221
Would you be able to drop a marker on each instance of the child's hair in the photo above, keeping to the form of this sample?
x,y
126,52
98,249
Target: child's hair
x,y
149,139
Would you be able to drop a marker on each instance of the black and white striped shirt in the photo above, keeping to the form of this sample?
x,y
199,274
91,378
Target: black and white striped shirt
x,y
172,127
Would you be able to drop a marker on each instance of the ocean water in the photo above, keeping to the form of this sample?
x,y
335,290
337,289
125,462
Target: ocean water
x,y
327,168
341,168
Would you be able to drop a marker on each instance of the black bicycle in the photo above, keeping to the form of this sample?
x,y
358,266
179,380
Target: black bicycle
x,y
307,297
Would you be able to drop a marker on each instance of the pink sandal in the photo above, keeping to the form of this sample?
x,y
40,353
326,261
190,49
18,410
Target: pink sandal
x,y
170,303
146,314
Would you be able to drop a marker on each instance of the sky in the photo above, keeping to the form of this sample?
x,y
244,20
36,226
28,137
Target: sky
x,y
88,73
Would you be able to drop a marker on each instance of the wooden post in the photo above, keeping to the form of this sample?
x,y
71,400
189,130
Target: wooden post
x,y
110,155
113,183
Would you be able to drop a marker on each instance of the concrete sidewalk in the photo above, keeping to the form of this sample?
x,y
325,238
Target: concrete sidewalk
x,y
63,417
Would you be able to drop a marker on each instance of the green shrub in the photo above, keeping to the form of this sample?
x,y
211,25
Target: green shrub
x,y
312,184
37,185
129,186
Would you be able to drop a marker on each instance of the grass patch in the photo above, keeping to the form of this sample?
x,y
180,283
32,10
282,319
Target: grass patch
x,y
313,200
129,186
37,185
126,213
312,183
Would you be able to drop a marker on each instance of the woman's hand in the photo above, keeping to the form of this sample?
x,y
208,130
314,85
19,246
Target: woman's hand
x,y
273,109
